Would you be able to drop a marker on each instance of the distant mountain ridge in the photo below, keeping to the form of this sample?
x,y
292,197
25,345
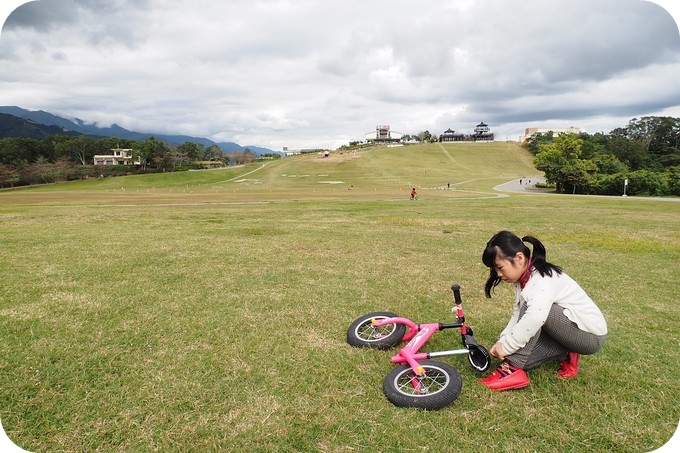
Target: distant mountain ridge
x,y
12,128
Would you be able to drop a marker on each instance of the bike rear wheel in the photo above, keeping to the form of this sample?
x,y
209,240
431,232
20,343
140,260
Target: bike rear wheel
x,y
363,334
438,386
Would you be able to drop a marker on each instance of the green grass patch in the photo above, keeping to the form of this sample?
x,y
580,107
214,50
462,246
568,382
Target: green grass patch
x,y
164,320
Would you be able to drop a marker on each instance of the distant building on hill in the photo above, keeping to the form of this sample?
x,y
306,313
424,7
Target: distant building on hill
x,y
119,156
450,135
383,135
481,133
528,132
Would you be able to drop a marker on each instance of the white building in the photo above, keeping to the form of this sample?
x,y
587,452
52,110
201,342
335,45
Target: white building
x,y
119,157
383,135
528,132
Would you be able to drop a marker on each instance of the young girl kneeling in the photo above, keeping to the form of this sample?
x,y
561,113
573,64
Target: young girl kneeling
x,y
552,318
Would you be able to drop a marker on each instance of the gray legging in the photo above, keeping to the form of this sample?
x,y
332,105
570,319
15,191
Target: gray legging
x,y
557,337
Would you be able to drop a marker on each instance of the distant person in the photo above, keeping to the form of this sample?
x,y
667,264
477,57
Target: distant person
x,y
520,182
414,194
552,317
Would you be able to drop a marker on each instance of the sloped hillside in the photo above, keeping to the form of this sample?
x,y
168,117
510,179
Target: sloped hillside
x,y
455,170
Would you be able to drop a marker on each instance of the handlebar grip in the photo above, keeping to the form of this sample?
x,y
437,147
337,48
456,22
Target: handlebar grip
x,y
456,293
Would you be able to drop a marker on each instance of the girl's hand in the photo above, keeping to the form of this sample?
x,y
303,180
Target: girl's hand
x,y
497,351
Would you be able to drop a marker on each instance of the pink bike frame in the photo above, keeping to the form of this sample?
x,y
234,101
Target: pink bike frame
x,y
419,334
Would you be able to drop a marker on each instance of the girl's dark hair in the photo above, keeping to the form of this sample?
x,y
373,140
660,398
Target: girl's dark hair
x,y
505,244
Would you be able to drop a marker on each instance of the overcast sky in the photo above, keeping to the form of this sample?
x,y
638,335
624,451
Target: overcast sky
x,y
308,74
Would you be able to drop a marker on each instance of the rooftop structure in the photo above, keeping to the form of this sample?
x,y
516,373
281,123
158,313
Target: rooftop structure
x,y
383,135
482,132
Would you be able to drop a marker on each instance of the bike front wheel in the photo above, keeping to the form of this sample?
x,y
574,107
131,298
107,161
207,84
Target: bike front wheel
x,y
438,386
363,334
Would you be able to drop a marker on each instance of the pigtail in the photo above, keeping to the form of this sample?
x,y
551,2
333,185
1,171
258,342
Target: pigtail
x,y
506,245
493,281
538,258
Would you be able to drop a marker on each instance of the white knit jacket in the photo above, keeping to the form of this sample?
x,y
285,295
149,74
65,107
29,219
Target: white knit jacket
x,y
541,293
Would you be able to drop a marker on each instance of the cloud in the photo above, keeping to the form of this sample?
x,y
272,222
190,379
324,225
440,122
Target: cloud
x,y
304,74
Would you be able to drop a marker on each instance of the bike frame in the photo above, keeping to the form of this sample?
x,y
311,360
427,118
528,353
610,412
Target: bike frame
x,y
419,334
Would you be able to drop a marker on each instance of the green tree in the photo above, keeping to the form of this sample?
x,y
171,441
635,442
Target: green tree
x,y
424,136
551,162
659,136
629,152
534,142
642,130
593,144
194,151
562,165
106,144
150,151
647,183
665,147
609,184
19,151
674,181
579,174
608,164
79,149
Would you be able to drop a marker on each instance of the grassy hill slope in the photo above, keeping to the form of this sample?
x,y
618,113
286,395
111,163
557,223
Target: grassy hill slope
x,y
378,173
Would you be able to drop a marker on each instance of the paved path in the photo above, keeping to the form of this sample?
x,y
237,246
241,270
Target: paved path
x,y
525,187
516,187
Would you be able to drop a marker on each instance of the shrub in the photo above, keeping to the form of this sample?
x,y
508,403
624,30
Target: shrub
x,y
674,181
646,183
608,184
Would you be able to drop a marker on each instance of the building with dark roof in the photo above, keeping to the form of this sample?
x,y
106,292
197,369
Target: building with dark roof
x,y
481,133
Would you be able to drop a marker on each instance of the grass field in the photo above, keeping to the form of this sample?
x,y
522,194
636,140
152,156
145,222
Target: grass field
x,y
207,311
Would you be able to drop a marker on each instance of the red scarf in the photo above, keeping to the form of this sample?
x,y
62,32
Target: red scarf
x,y
526,275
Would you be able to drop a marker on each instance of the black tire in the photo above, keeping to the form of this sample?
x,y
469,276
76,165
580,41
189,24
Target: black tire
x,y
478,357
440,385
362,334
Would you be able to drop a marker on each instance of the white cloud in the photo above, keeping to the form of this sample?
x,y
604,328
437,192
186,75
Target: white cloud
x,y
310,74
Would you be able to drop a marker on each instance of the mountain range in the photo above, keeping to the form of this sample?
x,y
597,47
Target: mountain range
x,y
38,124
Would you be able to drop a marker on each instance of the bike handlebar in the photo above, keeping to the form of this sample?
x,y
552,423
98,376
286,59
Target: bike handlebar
x,y
456,293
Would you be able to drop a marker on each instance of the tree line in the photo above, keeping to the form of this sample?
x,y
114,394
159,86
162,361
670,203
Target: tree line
x,y
642,158
57,158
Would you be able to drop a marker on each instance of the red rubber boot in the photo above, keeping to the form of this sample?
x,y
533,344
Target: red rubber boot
x,y
569,367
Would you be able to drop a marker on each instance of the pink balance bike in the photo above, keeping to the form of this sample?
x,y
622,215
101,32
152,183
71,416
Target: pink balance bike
x,y
418,381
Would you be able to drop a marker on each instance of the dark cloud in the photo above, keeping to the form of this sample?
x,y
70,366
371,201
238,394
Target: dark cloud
x,y
43,16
